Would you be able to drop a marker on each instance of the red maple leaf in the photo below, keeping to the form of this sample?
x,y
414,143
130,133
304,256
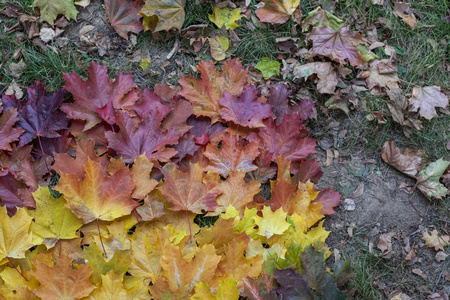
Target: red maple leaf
x,y
98,96
245,110
306,169
285,140
124,17
13,194
38,114
144,136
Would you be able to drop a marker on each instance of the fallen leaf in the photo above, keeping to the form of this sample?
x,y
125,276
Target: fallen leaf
x,y
420,273
426,99
320,17
385,243
338,45
8,133
50,9
326,72
225,17
409,161
277,11
169,14
436,241
245,110
219,46
123,16
268,67
428,179
17,69
62,281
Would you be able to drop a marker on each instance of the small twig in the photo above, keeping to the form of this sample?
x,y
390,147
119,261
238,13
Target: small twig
x,y
174,50
447,261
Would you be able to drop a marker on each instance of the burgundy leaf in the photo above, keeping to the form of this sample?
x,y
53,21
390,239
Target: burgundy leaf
x,y
123,15
97,92
284,139
305,109
14,194
292,285
8,133
204,132
245,110
278,99
38,114
144,137
329,198
306,169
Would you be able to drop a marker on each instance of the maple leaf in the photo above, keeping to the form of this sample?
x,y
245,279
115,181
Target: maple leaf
x,y
225,17
205,93
277,11
227,290
119,263
231,156
8,133
15,234
279,101
436,241
245,110
338,45
14,286
426,99
147,137
111,288
38,114
284,139
236,264
410,161
265,171
180,273
98,196
271,222
204,132
50,9
186,191
14,193
307,169
97,92
140,174
52,221
151,209
123,16
18,163
169,14
236,192
428,179
261,288
292,285
62,281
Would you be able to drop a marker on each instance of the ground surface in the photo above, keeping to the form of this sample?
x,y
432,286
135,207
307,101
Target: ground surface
x,y
380,205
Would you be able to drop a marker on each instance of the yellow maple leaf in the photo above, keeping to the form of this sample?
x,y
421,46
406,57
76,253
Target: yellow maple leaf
x,y
227,291
166,14
140,173
52,221
218,46
15,234
112,288
271,223
12,280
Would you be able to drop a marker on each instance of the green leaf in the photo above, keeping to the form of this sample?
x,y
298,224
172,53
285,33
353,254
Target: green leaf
x,y
341,272
50,9
313,267
428,179
268,67
366,55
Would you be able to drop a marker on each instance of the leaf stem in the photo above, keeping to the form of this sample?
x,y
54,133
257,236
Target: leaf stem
x,y
43,153
100,235
10,261
136,216
60,247
189,222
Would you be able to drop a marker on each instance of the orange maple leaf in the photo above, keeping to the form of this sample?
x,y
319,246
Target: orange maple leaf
x,y
98,196
205,93
186,191
231,156
62,281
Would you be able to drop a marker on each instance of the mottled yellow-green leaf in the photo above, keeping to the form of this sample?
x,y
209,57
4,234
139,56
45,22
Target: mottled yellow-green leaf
x,y
50,9
225,17
268,67
219,46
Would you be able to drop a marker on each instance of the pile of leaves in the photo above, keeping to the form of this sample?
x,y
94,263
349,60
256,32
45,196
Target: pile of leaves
x,y
102,194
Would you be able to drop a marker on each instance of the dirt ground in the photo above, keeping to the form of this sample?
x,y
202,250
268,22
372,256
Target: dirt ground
x,y
373,202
